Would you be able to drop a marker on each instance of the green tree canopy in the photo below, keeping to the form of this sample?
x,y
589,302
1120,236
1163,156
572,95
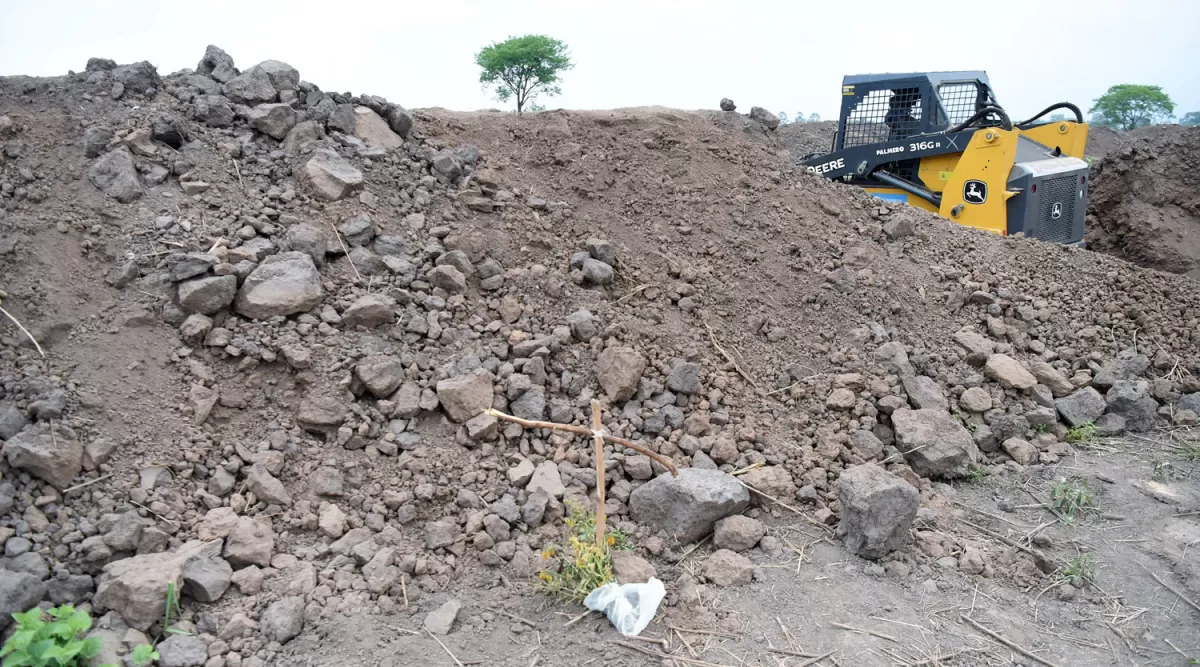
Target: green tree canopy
x,y
1190,118
783,117
521,68
1129,106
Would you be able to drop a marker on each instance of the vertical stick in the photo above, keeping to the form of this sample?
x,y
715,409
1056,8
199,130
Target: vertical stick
x,y
599,439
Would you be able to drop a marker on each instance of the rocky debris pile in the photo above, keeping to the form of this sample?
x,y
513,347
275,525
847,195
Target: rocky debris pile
x,y
348,291
1141,200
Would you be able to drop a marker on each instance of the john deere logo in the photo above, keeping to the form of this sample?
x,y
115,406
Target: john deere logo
x,y
1056,211
975,192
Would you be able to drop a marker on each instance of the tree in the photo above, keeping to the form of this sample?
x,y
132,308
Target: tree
x,y
1054,118
783,118
815,118
1190,118
521,68
1130,106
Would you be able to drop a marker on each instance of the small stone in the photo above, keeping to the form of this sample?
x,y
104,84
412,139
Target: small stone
x,y
619,370
332,521
1084,406
738,533
726,568
441,620
283,619
1021,451
182,651
206,579
685,378
250,543
841,399
975,399
465,396
1009,372
596,272
546,478
584,326
631,569
878,509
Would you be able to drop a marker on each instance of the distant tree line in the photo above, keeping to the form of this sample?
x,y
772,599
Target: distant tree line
x,y
784,119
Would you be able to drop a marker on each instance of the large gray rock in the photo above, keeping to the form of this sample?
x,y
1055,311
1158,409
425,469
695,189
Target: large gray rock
x,y
448,278
330,176
95,140
283,284
1132,401
1189,402
321,413
370,311
1050,376
138,78
465,396
213,110
688,506
136,587
207,296
374,130
770,120
1084,406
19,592
878,509
250,88
115,175
441,620
685,378
934,443
216,64
923,392
250,543
273,120
1120,369
53,458
619,370
182,651
381,374
283,619
308,239
281,75
1009,372
12,420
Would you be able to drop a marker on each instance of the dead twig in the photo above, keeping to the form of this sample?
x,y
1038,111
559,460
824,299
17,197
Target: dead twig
x,y
238,170
577,619
1012,645
636,290
987,514
712,337
581,430
24,331
794,654
156,514
842,626
345,250
444,648
516,618
788,507
86,484
711,633
404,630
1171,588
815,660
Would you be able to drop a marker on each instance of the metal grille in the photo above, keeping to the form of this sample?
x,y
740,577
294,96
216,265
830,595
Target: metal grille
x,y
884,115
1058,194
959,100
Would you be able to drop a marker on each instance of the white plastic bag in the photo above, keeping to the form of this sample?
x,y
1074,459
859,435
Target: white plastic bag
x,y
630,607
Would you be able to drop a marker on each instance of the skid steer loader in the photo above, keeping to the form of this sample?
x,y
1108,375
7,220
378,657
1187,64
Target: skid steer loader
x,y
940,141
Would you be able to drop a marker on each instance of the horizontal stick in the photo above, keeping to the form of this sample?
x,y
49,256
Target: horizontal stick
x,y
1016,647
584,431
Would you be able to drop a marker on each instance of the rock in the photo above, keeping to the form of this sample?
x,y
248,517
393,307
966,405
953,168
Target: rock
x,y
441,620
379,571
207,296
878,509
330,176
841,399
250,543
770,120
182,651
321,414
12,420
772,480
619,370
440,534
688,506
584,326
899,228
1043,417
685,378
1051,377
738,533
1188,402
975,399
370,311
866,444
216,64
307,239
266,487
182,266
448,278
602,250
135,588
1109,424
115,175
73,589
283,284
631,569
283,619
217,524
465,396
381,374
332,521
249,580
530,405
1120,369
924,392
520,474
169,129
19,592
250,88
934,443
726,568
1084,406
1009,372
273,120
281,75
1021,451
1132,401
55,459
95,140
206,579
596,272
141,77
374,130
213,110
547,479
727,104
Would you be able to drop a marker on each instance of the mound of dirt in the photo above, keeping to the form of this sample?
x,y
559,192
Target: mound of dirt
x,y
805,138
274,320
1143,204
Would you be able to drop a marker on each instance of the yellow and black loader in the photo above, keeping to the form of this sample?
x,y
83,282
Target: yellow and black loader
x,y
941,142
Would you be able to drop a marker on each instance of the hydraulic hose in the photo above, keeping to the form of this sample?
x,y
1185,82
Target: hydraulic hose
x,y
1060,105
1005,122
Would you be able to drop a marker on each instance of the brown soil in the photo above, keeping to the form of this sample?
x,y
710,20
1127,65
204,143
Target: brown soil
x,y
725,252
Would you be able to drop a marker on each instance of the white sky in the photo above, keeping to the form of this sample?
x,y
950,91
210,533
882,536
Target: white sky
x,y
786,56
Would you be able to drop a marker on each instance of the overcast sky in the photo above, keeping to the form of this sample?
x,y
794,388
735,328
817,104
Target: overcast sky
x,y
786,56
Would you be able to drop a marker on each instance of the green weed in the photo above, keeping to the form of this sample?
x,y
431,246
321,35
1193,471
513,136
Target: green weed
x,y
1072,499
144,655
1084,433
58,642
583,566
978,474
1188,450
1079,571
